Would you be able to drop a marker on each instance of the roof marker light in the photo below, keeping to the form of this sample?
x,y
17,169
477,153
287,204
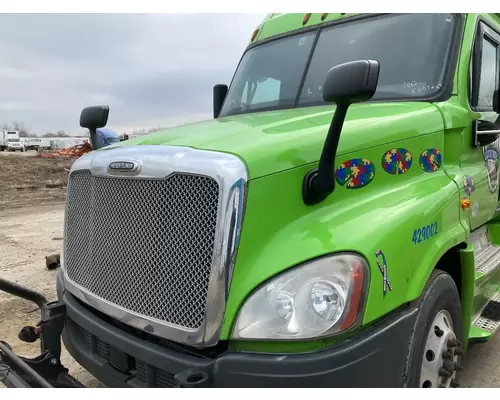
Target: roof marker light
x,y
254,35
323,16
306,18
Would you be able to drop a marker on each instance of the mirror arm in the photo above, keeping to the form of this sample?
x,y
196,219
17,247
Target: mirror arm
x,y
93,138
319,183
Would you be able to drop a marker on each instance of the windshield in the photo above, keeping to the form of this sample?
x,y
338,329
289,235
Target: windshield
x,y
412,50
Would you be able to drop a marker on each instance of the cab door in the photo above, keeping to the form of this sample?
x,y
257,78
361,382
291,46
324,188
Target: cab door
x,y
480,182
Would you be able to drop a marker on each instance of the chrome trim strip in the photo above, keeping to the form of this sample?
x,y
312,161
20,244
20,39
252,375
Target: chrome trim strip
x,y
159,162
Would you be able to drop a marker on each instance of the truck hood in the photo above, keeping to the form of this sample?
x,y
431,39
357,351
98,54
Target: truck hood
x,y
270,142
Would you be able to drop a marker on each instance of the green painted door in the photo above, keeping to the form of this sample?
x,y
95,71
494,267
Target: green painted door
x,y
480,180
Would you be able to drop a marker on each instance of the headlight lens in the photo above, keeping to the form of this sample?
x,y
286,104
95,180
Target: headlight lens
x,y
316,299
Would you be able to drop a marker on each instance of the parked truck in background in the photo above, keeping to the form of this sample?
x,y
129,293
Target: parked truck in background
x,y
11,141
336,224
37,143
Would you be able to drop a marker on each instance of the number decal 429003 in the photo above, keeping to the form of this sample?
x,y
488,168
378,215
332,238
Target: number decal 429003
x,y
424,233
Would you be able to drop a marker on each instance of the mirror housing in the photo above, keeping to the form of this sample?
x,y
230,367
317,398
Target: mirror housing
x,y
92,118
351,82
345,84
220,93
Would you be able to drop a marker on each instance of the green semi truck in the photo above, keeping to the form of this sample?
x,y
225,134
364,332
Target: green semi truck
x,y
335,224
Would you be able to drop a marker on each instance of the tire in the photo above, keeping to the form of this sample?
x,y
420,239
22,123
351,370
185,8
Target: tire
x,y
434,335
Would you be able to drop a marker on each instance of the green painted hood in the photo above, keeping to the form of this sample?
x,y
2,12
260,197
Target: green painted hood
x,y
274,141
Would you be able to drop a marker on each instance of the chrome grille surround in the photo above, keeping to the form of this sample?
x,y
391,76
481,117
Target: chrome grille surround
x,y
164,163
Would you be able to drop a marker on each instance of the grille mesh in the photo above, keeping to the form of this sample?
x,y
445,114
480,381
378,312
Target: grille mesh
x,y
145,245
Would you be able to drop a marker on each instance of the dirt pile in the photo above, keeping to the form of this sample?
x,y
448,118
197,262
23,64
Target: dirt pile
x,y
29,180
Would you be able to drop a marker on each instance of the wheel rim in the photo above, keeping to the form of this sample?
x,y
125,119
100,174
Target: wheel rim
x,y
441,352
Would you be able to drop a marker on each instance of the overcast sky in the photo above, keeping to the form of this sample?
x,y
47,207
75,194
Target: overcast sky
x,y
151,69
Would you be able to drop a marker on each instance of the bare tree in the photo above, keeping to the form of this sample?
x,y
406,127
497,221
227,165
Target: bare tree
x,y
21,128
59,133
145,131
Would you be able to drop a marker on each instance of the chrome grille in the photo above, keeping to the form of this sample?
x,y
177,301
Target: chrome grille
x,y
143,244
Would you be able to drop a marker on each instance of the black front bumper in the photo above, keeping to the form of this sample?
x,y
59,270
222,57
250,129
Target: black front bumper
x,y
374,358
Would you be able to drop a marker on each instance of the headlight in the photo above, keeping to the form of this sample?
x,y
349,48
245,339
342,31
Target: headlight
x,y
316,299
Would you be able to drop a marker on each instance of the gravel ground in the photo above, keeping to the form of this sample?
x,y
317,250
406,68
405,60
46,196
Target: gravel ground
x,y
27,235
482,365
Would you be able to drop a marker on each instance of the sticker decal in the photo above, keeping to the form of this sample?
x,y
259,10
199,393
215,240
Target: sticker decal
x,y
355,173
382,267
396,161
490,154
424,233
469,185
430,160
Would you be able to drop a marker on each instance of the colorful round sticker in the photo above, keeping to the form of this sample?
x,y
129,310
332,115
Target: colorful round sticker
x,y
468,185
430,160
355,173
396,161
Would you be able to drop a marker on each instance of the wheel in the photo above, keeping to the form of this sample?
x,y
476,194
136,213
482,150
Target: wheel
x,y
435,349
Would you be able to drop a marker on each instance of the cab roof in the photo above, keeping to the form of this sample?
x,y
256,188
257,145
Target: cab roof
x,y
278,24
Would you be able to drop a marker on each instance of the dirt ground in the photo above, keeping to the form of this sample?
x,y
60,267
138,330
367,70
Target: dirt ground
x,y
27,180
31,227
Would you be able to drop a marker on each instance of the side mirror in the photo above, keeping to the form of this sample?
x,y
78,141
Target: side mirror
x,y
220,92
94,117
351,82
345,84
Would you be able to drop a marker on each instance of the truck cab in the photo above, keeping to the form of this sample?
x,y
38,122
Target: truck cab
x,y
11,141
14,142
335,224
33,143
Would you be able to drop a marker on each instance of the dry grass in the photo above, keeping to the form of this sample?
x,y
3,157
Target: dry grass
x,y
27,180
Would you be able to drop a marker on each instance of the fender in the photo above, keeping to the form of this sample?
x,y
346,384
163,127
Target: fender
x,y
381,222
